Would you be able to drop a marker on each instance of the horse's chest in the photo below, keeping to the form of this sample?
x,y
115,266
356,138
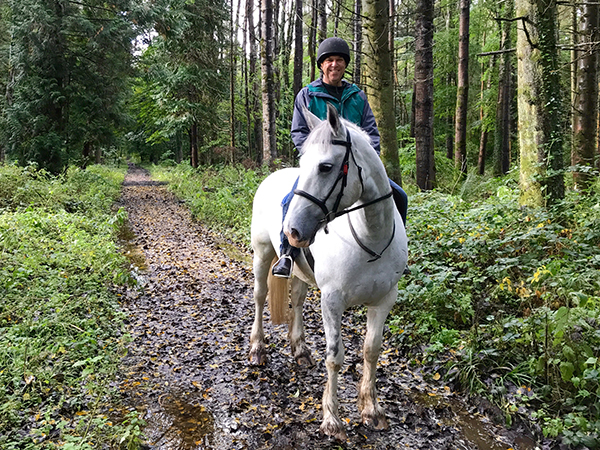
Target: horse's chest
x,y
360,281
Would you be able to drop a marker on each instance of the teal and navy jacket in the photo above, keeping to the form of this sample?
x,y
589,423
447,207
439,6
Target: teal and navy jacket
x,y
353,107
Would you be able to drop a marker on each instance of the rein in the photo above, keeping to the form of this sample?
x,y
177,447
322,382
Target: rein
x,y
334,213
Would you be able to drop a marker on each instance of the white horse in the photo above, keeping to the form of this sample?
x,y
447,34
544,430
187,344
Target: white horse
x,y
358,259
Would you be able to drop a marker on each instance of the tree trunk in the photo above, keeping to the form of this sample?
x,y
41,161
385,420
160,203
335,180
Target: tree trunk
x,y
298,49
356,76
503,107
255,100
232,68
194,145
539,101
322,21
423,95
381,90
268,92
337,14
462,89
312,40
86,154
483,115
585,110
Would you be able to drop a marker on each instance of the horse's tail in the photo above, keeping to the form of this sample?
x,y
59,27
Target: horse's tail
x,y
278,296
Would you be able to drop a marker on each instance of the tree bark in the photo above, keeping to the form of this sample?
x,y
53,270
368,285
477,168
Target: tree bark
x,y
253,75
232,69
484,112
356,76
462,89
312,40
381,91
539,102
423,94
268,92
503,107
585,110
322,21
194,145
298,49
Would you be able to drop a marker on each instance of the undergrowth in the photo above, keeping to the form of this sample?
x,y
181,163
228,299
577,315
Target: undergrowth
x,y
220,196
60,324
509,299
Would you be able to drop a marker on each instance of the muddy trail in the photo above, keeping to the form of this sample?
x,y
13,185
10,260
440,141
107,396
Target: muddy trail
x,y
186,368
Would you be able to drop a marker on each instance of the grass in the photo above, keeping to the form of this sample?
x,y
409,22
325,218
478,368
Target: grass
x,y
60,324
219,196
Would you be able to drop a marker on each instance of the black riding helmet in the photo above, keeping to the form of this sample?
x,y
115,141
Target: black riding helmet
x,y
333,46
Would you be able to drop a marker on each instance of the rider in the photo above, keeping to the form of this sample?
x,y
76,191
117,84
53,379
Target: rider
x,y
351,102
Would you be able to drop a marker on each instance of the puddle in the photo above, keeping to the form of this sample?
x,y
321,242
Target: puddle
x,y
473,428
178,425
233,252
131,250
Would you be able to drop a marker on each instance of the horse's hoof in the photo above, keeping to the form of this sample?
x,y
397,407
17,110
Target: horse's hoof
x,y
258,357
334,430
375,421
305,360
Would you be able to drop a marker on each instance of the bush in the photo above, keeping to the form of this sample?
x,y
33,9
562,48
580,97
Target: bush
x,y
523,287
220,197
60,325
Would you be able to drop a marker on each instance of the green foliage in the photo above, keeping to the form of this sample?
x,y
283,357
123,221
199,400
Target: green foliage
x,y
219,197
182,79
68,66
522,288
59,322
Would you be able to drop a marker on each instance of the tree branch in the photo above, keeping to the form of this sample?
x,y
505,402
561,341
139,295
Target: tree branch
x,y
498,52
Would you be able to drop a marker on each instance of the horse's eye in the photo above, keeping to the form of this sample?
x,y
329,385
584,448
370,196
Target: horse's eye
x,y
325,167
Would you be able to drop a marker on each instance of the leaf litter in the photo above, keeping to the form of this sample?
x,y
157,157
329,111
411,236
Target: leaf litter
x,y
186,367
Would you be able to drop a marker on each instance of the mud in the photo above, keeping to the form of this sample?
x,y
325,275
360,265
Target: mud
x,y
186,368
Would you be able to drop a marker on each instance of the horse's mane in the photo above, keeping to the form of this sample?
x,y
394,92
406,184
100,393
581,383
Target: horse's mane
x,y
322,134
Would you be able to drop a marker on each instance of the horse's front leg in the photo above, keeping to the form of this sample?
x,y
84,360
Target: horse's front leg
x,y
372,413
258,353
332,310
300,351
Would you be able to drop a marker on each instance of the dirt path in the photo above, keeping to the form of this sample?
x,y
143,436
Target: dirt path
x,y
187,369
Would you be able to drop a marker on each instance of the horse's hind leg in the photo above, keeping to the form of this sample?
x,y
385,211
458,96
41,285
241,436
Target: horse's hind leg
x,y
372,413
262,265
300,351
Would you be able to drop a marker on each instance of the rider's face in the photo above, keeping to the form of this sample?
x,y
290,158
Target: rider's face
x,y
333,68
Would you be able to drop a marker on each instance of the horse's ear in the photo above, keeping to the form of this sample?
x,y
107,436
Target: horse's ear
x,y
333,118
311,120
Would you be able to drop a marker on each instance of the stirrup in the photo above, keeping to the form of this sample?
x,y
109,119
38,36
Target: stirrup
x,y
283,267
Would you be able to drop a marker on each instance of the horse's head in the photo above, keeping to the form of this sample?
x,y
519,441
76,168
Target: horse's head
x,y
330,178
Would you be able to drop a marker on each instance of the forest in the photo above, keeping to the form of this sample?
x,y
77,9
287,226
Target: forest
x,y
488,114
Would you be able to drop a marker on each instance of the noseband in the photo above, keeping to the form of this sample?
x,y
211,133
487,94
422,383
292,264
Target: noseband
x,y
343,177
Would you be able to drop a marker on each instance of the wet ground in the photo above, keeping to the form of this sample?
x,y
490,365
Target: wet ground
x,y
186,369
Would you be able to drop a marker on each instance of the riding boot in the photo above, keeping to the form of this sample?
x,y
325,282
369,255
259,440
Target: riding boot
x,y
283,267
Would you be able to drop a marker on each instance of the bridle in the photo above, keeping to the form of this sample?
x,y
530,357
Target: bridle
x,y
329,215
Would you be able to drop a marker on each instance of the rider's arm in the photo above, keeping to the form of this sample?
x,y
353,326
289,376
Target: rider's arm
x,y
300,128
369,125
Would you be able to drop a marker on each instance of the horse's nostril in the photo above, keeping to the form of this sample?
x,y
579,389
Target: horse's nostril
x,y
295,234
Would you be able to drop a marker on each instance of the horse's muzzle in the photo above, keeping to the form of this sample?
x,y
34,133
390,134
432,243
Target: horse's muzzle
x,y
297,240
